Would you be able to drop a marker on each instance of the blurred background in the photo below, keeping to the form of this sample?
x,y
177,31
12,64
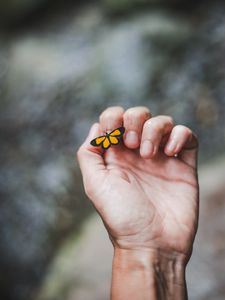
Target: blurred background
x,y
61,64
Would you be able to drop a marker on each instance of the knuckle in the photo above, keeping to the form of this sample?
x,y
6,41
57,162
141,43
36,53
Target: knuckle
x,y
184,129
154,124
179,127
105,115
111,112
129,115
170,120
120,109
137,111
166,119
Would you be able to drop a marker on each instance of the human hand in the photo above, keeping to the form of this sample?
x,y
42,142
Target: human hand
x,y
147,197
146,200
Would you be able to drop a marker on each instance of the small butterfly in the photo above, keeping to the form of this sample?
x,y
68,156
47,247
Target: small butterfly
x,y
112,138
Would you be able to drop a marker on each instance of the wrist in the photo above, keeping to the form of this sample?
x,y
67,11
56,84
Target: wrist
x,y
162,273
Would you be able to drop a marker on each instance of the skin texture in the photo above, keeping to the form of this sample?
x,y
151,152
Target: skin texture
x,y
146,192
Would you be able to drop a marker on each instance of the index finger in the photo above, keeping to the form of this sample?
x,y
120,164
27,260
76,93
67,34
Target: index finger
x,y
111,118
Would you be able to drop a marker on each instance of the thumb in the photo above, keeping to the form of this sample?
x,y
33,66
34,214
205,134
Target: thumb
x,y
91,160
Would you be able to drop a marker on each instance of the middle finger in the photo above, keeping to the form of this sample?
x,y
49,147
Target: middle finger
x,y
134,119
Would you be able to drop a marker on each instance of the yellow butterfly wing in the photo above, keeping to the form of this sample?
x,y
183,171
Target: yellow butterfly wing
x,y
106,143
98,141
117,132
113,140
110,139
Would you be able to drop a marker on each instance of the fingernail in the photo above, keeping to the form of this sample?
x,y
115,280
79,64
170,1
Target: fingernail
x,y
146,148
132,137
172,145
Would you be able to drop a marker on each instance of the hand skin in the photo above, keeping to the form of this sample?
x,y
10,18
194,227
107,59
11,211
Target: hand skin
x,y
147,199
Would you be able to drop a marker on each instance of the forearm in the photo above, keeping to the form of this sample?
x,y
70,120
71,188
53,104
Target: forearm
x,y
148,275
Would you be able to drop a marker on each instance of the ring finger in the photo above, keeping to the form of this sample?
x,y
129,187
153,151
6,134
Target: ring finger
x,y
153,132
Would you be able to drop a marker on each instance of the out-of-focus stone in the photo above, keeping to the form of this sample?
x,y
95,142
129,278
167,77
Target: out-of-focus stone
x,y
82,269
118,6
207,262
207,112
